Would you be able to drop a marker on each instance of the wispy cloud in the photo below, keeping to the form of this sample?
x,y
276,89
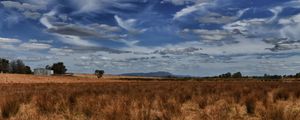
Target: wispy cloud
x,y
180,36
129,25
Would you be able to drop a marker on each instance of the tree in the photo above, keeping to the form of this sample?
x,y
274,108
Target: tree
x,y
13,66
226,75
59,68
17,66
297,75
237,75
4,65
266,76
28,70
48,67
99,73
21,68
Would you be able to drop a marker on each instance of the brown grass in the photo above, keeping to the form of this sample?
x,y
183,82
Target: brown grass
x,y
10,108
150,100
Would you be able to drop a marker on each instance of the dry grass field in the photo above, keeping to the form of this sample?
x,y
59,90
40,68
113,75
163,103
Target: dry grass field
x,y
83,97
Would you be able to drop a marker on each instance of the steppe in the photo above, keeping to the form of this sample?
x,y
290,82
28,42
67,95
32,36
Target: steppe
x,y
84,97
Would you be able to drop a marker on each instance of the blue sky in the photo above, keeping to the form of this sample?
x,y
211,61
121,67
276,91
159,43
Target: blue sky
x,y
192,37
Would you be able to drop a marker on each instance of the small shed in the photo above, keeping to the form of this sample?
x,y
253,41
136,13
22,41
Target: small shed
x,y
43,71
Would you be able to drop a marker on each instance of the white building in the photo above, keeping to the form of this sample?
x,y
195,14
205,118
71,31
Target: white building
x,y
43,71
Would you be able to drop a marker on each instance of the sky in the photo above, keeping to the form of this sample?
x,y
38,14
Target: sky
x,y
186,37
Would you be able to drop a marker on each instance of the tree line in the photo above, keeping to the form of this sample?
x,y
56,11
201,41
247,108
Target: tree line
x,y
14,66
229,75
265,76
19,67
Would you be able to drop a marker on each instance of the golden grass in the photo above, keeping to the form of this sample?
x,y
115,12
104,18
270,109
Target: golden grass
x,y
151,100
77,78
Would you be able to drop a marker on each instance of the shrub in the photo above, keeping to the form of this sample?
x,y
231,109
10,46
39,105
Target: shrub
x,y
274,113
250,105
281,94
10,108
202,102
72,100
48,103
297,93
237,95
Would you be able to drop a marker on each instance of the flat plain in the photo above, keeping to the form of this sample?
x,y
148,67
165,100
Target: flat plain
x,y
84,97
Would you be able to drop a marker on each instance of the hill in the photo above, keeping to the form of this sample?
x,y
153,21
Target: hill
x,y
150,74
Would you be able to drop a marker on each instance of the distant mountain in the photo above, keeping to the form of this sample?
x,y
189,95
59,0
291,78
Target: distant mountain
x,y
150,74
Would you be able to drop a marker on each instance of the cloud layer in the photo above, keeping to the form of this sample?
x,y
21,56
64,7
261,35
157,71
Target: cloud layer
x,y
196,37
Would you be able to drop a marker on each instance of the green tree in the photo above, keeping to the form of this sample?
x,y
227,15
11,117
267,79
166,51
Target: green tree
x,y
28,70
17,66
226,75
297,75
59,68
237,75
4,65
99,73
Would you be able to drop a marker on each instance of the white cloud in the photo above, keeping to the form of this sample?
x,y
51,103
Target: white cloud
x,y
61,51
32,15
211,17
88,5
69,39
75,40
291,20
16,44
102,6
183,2
128,25
209,35
34,46
292,3
201,7
244,26
35,58
9,40
275,11
216,18
77,34
190,9
291,27
177,51
105,27
21,6
244,47
8,47
45,20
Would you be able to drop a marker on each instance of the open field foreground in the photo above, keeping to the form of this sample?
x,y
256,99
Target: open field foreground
x,y
77,78
151,100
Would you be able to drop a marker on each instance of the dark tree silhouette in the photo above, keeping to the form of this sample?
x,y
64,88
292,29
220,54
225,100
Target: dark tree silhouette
x,y
28,70
226,75
99,73
266,76
48,67
237,75
59,68
4,65
297,75
17,66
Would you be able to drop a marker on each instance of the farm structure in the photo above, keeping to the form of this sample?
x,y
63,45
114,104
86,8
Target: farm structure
x,y
43,72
